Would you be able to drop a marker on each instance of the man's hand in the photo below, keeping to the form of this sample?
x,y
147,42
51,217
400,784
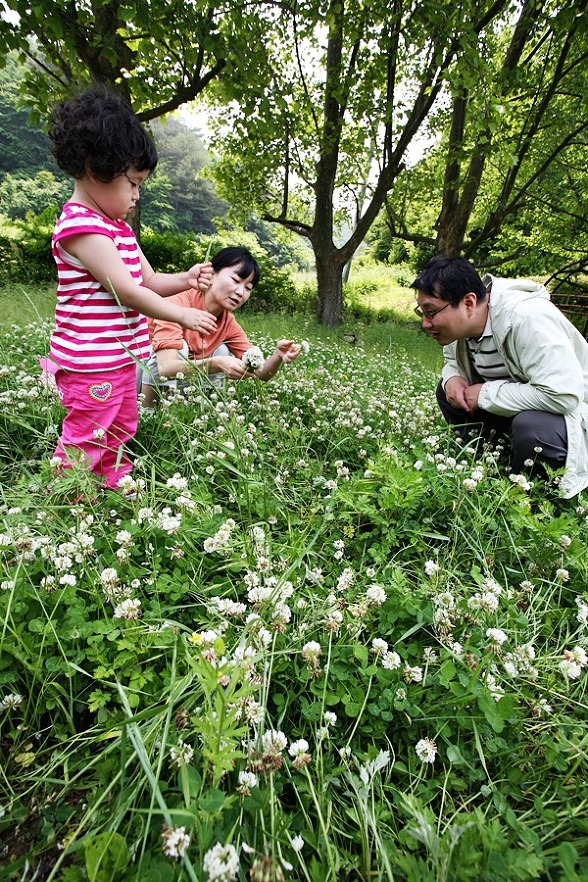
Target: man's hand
x,y
200,276
461,395
197,320
455,389
472,393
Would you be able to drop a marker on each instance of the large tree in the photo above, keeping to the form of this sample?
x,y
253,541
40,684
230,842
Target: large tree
x,y
158,54
324,134
508,175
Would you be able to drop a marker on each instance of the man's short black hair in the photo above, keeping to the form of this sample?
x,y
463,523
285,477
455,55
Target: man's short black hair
x,y
450,278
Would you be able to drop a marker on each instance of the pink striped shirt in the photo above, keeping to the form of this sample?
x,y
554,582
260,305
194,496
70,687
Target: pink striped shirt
x,y
93,332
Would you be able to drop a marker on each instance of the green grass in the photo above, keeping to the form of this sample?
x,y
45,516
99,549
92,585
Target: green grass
x,y
388,337
387,340
21,304
316,586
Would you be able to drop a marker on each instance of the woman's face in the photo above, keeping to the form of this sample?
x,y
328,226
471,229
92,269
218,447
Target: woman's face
x,y
228,290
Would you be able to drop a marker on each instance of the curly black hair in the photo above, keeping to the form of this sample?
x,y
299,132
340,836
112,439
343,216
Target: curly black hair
x,y
98,131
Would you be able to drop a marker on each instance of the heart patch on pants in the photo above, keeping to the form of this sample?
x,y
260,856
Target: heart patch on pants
x,y
100,391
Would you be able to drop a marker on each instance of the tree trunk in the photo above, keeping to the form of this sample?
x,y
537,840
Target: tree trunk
x,y
329,274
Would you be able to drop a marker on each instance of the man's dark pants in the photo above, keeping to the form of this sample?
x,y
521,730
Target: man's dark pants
x,y
527,431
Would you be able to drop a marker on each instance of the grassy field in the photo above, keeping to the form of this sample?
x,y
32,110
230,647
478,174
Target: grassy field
x,y
313,637
23,304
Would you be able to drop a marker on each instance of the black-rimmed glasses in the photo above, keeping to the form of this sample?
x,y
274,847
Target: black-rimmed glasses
x,y
430,313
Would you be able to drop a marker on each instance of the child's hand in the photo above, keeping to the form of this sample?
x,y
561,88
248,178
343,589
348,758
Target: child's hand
x,y
288,350
198,320
200,276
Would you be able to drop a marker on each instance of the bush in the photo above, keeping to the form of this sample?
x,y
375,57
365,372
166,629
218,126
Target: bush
x,y
175,252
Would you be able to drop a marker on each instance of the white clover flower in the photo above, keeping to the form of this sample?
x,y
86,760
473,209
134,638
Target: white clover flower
x,y
175,841
11,701
375,595
378,646
253,359
109,576
562,575
426,750
488,602
128,609
333,620
273,741
445,600
221,863
182,754
582,614
311,651
330,718
298,748
391,661
577,655
497,636
431,567
227,607
495,690
543,707
570,669
492,585
345,580
412,674
124,538
469,484
246,781
297,843
177,482
521,481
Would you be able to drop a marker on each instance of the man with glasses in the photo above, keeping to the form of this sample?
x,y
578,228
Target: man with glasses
x,y
514,366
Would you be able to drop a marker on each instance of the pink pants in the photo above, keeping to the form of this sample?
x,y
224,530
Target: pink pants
x,y
101,415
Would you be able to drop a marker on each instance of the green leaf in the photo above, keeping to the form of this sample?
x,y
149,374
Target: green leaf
x,y
106,856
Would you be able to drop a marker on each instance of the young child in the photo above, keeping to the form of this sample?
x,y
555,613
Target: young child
x,y
223,353
106,286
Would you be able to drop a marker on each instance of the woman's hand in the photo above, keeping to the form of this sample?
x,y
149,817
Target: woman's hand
x,y
288,350
232,367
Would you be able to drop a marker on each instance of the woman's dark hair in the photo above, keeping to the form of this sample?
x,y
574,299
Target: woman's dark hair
x,y
242,258
98,131
450,278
